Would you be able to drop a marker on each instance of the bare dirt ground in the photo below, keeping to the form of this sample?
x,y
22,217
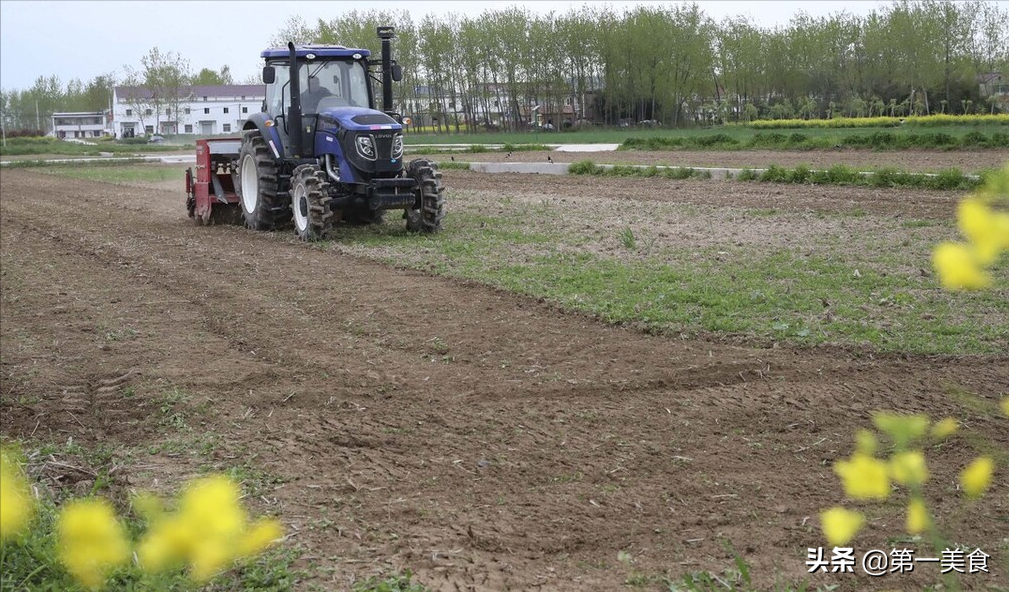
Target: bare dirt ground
x,y
910,160
484,440
735,194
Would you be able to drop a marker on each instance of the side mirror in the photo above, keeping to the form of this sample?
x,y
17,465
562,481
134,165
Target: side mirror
x,y
269,74
397,72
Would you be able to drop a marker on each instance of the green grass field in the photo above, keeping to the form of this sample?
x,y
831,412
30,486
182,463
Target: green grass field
x,y
123,173
765,292
37,146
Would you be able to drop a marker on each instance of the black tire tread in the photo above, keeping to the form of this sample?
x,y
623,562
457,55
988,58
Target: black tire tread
x,y
430,197
267,214
320,214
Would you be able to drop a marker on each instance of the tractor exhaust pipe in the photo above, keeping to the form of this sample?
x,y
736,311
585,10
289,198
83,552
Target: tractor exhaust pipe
x,y
294,113
386,34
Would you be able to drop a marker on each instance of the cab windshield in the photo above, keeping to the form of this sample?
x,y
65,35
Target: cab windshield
x,y
324,85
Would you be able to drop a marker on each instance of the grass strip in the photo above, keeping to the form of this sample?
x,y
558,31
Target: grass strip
x,y
16,164
454,166
879,140
633,273
862,122
587,167
947,180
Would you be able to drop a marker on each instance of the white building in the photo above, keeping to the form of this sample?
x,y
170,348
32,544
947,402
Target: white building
x,y
88,124
201,110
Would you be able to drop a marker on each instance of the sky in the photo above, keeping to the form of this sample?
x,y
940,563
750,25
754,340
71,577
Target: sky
x,y
84,39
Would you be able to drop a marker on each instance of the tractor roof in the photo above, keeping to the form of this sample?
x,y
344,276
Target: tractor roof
x,y
320,51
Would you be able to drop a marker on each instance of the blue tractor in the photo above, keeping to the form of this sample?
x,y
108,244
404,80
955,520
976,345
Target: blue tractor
x,y
322,153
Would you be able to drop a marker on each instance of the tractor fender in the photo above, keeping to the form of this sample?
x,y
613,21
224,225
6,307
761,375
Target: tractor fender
x,y
267,127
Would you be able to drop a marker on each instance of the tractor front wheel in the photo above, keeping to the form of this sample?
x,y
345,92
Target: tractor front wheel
x,y
429,209
310,202
257,186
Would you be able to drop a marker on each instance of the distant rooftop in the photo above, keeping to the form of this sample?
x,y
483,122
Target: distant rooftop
x,y
216,91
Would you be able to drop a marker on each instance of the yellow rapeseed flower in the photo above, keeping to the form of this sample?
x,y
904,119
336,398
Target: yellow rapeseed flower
x,y
981,226
945,428
958,268
264,532
917,517
1005,406
91,541
840,525
864,477
996,186
865,442
976,478
16,503
166,545
1001,224
209,531
148,506
908,468
902,428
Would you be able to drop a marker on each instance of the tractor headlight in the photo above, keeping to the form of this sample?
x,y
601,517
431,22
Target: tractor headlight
x,y
366,147
397,145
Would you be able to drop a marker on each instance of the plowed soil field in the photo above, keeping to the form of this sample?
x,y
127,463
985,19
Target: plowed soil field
x,y
551,444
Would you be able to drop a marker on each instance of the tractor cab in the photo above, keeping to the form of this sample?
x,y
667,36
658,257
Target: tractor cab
x,y
336,101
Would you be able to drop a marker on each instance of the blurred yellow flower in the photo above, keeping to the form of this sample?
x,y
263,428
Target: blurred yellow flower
x,y
16,503
1005,406
957,267
840,525
908,468
148,506
91,541
264,532
902,428
996,186
917,517
976,478
864,477
209,531
981,226
166,545
865,442
945,428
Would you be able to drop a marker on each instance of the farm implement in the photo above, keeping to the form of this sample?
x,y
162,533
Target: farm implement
x,y
318,154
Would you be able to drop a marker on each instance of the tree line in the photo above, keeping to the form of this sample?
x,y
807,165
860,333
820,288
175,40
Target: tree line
x,y
671,64
677,65
29,111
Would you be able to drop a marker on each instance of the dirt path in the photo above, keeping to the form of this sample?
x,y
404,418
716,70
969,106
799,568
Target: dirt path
x,y
911,160
486,441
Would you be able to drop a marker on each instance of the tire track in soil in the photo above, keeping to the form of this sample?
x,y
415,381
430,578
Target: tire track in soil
x,y
481,474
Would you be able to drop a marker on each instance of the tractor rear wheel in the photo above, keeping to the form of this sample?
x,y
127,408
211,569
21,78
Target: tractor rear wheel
x,y
258,183
310,202
429,209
